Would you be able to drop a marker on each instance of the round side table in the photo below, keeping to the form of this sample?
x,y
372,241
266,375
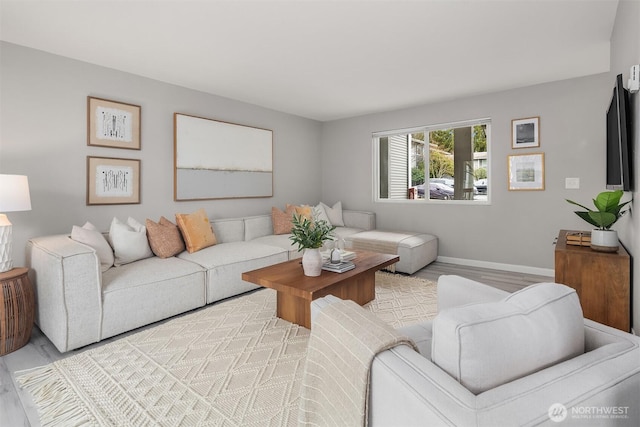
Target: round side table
x,y
17,309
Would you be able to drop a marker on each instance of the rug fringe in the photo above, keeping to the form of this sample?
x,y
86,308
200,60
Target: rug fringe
x,y
52,395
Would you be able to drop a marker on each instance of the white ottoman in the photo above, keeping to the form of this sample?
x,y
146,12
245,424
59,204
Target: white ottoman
x,y
415,250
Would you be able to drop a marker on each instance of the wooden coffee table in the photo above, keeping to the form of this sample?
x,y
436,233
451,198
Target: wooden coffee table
x,y
295,291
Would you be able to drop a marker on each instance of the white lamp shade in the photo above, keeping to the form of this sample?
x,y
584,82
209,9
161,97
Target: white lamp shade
x,y
14,193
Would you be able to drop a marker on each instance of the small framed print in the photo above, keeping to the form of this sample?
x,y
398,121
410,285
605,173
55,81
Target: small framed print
x,y
525,133
526,171
112,181
113,124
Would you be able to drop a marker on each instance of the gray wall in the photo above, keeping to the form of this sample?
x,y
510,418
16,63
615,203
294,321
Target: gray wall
x,y
625,52
43,135
518,227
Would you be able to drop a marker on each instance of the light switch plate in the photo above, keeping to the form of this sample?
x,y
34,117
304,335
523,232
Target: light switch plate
x,y
572,183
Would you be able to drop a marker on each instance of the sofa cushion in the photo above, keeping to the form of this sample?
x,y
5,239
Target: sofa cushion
x,y
258,226
89,235
196,230
129,241
489,344
281,241
228,229
164,238
149,290
226,262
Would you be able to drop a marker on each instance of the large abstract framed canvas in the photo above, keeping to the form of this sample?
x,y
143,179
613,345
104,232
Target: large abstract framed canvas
x,y
113,124
220,160
112,181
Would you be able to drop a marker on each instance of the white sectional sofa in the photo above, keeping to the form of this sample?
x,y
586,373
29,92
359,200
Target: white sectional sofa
x,y
77,304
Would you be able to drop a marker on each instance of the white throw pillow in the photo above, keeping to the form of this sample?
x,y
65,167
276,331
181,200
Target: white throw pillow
x,y
320,213
129,241
89,235
489,344
334,214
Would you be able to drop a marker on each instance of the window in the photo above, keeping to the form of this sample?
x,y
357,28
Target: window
x,y
442,162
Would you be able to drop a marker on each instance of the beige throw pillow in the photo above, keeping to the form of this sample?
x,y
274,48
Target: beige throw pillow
x,y
129,241
334,214
90,236
164,237
196,230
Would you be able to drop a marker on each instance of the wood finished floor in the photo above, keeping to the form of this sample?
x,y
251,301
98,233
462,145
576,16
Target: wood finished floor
x,y
17,409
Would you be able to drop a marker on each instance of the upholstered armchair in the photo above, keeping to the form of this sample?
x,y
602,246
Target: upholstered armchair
x,y
491,358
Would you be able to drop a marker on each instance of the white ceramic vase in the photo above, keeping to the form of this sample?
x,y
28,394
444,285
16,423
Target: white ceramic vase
x,y
312,262
604,240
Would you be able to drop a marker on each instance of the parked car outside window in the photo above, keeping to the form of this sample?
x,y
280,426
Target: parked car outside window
x,y
481,186
436,191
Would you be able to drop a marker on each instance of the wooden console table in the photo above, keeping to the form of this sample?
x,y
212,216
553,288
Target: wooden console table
x,y
17,309
602,281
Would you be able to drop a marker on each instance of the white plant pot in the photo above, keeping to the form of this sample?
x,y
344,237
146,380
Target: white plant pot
x,y
604,240
312,262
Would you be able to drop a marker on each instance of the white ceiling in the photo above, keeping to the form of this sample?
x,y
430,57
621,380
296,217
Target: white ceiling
x,y
326,59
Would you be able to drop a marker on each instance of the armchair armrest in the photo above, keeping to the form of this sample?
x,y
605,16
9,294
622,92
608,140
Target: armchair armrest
x,y
409,390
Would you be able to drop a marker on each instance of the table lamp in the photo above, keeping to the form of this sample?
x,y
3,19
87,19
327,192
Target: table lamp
x,y
14,196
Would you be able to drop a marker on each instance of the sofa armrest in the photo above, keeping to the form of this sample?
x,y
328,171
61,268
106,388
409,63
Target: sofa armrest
x,y
67,279
359,219
454,291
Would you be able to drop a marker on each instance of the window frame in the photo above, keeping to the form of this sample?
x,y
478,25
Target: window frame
x,y
375,146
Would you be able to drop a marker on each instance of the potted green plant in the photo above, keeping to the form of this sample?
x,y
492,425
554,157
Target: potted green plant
x,y
609,210
310,235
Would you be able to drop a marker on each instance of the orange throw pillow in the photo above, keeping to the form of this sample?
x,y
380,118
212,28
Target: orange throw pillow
x,y
304,210
196,230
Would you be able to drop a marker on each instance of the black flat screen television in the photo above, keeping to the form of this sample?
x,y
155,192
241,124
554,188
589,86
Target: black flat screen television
x,y
619,153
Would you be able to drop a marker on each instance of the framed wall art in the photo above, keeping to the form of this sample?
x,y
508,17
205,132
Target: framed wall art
x,y
220,160
113,181
526,171
525,133
113,124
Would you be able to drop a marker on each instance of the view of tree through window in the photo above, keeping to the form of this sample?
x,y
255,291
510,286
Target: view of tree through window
x,y
442,163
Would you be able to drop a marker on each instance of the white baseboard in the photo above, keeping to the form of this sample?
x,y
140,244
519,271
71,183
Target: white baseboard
x,y
549,272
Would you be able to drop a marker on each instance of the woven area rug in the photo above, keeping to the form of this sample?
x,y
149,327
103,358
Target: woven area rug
x,y
229,364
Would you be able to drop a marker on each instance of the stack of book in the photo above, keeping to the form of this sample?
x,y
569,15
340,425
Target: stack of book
x,y
344,255
347,255
579,238
339,267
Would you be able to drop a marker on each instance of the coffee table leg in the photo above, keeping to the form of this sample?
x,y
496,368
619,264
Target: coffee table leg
x,y
361,289
294,309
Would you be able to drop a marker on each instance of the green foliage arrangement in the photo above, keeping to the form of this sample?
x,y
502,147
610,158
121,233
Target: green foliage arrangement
x,y
609,209
310,233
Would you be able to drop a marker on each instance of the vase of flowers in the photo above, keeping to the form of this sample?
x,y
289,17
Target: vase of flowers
x,y
310,235
609,210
